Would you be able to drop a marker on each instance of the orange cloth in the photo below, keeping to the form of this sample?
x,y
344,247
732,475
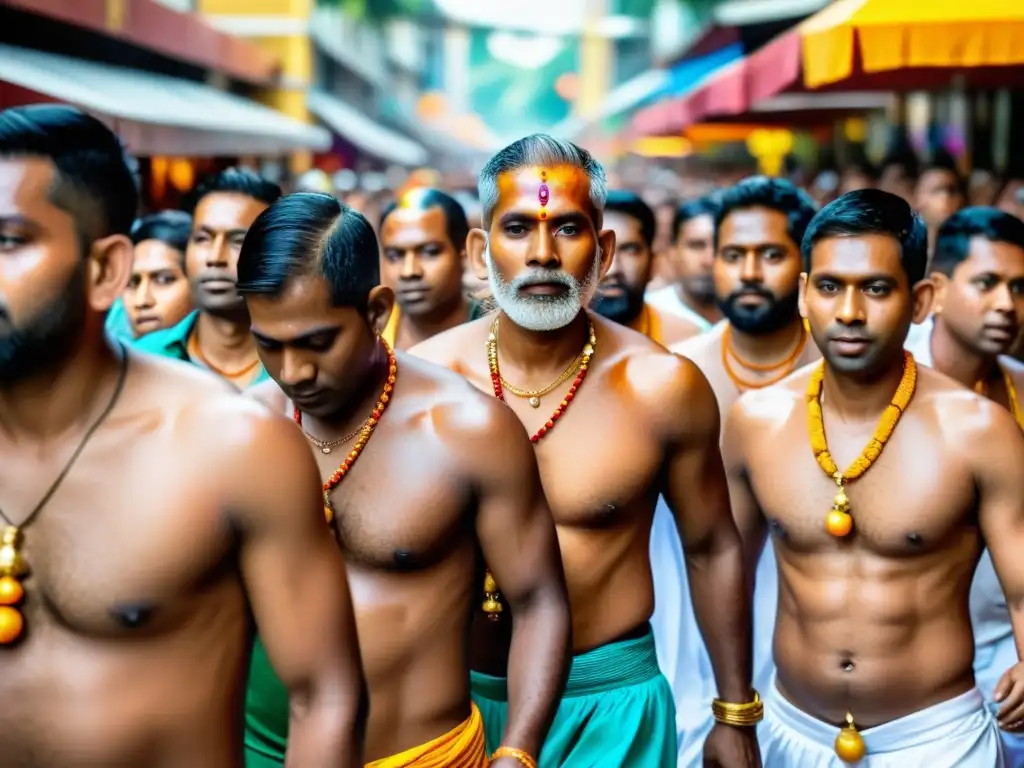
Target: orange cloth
x,y
648,322
461,747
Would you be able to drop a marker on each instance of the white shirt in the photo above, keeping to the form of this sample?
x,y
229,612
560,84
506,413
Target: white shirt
x,y
667,300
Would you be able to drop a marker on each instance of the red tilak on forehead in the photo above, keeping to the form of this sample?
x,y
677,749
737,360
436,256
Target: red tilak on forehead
x,y
543,194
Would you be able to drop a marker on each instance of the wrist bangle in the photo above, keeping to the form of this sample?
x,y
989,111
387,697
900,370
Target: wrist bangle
x,y
515,754
740,715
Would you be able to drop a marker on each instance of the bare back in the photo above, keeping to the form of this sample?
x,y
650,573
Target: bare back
x,y
407,516
137,621
602,468
877,623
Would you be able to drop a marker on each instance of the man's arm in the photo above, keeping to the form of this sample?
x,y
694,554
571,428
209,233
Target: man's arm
x,y
519,543
745,509
295,580
697,492
997,458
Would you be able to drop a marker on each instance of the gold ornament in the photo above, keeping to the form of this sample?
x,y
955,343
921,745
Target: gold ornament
x,y
849,744
492,598
12,563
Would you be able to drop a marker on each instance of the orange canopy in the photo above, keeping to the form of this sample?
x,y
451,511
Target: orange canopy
x,y
898,34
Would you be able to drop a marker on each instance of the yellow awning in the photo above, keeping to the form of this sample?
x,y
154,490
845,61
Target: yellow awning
x,y
894,34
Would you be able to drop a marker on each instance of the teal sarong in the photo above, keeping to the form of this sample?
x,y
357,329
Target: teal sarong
x,y
266,713
617,710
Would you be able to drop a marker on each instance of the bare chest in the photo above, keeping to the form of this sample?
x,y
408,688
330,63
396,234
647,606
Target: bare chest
x,y
132,542
913,500
405,505
600,461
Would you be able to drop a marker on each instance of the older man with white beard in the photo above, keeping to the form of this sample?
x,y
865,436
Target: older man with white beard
x,y
616,421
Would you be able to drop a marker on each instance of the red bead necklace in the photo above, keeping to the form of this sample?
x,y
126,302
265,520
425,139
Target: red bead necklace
x,y
499,391
364,434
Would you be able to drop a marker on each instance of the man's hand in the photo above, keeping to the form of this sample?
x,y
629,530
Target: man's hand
x,y
1009,694
728,746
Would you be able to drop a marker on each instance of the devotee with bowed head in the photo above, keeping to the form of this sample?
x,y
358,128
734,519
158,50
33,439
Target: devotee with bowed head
x,y
310,275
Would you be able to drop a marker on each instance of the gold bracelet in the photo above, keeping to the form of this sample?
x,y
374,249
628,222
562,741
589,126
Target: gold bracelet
x,y
516,754
740,715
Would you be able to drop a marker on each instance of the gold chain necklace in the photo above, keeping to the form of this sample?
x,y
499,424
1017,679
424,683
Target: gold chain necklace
x,y
534,395
325,446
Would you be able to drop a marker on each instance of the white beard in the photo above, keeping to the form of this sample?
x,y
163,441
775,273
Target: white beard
x,y
541,313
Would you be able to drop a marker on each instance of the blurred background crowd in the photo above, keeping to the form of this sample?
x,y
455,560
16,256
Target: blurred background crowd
x,y
368,99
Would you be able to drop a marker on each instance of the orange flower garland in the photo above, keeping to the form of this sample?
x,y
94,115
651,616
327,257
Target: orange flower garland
x,y
787,366
839,522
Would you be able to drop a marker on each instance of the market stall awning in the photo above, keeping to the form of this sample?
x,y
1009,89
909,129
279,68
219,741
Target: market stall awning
x,y
831,51
888,35
368,135
723,91
651,85
154,114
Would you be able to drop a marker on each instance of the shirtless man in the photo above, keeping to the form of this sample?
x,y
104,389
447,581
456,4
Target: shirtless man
x,y
691,295
978,312
189,512
216,336
423,246
411,545
620,297
158,294
873,641
756,278
627,422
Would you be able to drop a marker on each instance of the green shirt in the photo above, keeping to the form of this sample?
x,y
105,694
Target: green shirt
x,y
173,342
118,326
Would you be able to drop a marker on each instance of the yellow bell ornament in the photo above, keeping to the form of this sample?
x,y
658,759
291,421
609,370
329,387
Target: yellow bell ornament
x,y
492,598
849,744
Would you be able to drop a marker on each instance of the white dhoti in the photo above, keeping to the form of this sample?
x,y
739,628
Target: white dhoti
x,y
995,650
959,733
682,655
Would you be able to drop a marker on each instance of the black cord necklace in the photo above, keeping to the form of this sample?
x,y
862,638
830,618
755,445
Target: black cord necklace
x,y
13,565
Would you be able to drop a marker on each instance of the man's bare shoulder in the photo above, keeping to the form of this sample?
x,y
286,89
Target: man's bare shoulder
x,y
454,407
452,346
268,393
671,389
207,417
702,347
971,424
769,407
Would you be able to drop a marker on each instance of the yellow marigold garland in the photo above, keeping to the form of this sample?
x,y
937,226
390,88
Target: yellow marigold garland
x,y
839,523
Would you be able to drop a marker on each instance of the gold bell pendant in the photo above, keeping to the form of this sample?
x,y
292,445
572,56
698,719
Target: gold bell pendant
x,y
849,744
839,523
12,563
328,509
13,567
492,603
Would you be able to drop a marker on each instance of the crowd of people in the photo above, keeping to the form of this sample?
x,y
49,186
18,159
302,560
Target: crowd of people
x,y
423,491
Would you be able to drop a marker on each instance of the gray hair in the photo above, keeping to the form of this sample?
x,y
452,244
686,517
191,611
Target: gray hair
x,y
540,149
